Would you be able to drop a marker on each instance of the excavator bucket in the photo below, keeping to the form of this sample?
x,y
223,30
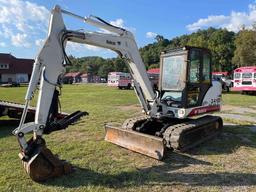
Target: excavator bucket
x,y
44,165
142,143
39,162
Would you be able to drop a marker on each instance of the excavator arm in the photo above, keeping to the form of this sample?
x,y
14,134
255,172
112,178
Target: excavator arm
x,y
48,69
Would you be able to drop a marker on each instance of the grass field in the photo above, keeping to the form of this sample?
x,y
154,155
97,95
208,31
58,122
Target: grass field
x,y
226,163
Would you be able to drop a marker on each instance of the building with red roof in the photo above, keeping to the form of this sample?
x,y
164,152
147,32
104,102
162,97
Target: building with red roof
x,y
153,75
72,77
154,71
14,69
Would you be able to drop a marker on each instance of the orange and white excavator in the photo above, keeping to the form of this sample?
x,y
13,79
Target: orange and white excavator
x,y
186,89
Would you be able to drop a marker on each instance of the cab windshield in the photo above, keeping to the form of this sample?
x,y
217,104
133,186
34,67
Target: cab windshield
x,y
173,72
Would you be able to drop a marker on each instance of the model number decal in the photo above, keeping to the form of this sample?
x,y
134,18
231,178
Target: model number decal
x,y
215,101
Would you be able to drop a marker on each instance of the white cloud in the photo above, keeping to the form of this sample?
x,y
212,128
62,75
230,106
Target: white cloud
x,y
39,42
74,48
6,32
20,40
151,35
24,24
21,21
208,22
77,46
92,48
2,44
118,23
233,22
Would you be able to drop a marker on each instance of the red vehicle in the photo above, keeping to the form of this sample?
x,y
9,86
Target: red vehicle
x,y
120,80
245,79
153,75
224,78
220,74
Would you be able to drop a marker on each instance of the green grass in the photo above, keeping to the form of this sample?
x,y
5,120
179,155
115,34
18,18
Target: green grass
x,y
226,163
237,99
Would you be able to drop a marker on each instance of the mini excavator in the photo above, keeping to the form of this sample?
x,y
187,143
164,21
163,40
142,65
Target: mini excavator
x,y
185,90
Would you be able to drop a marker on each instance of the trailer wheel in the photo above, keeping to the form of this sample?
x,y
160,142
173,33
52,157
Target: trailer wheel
x,y
129,86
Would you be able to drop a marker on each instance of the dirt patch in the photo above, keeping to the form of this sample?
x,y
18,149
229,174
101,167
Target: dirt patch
x,y
130,107
239,110
238,117
228,107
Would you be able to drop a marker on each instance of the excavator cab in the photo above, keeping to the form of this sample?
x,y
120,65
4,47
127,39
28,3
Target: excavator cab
x,y
185,76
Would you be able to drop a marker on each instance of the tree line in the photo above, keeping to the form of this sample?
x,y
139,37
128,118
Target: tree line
x,y
229,50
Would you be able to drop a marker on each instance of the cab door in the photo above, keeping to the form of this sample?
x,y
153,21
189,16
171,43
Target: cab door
x,y
198,76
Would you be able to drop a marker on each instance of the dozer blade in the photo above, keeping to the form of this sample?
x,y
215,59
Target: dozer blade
x,y
142,143
44,165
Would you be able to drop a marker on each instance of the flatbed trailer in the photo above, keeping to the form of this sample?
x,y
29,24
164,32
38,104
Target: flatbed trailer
x,y
14,110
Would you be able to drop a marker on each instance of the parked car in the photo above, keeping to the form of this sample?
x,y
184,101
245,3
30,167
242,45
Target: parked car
x,y
120,80
223,77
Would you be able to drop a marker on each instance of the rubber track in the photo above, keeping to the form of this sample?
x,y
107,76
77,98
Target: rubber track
x,y
131,123
173,134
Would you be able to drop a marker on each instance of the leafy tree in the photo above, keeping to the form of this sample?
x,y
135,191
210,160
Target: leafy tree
x,y
120,65
245,53
153,66
105,68
221,44
159,38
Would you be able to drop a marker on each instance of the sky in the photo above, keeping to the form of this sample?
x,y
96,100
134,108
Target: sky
x,y
24,24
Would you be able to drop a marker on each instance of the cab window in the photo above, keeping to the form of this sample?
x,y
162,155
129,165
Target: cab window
x,y
206,68
194,66
173,70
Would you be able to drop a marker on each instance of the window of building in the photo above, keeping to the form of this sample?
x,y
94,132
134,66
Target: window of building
x,y
4,66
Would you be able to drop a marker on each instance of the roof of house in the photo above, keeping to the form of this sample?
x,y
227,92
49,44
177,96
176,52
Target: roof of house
x,y
73,74
16,65
155,70
84,75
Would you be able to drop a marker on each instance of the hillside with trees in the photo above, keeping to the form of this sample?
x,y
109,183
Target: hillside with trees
x,y
229,50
